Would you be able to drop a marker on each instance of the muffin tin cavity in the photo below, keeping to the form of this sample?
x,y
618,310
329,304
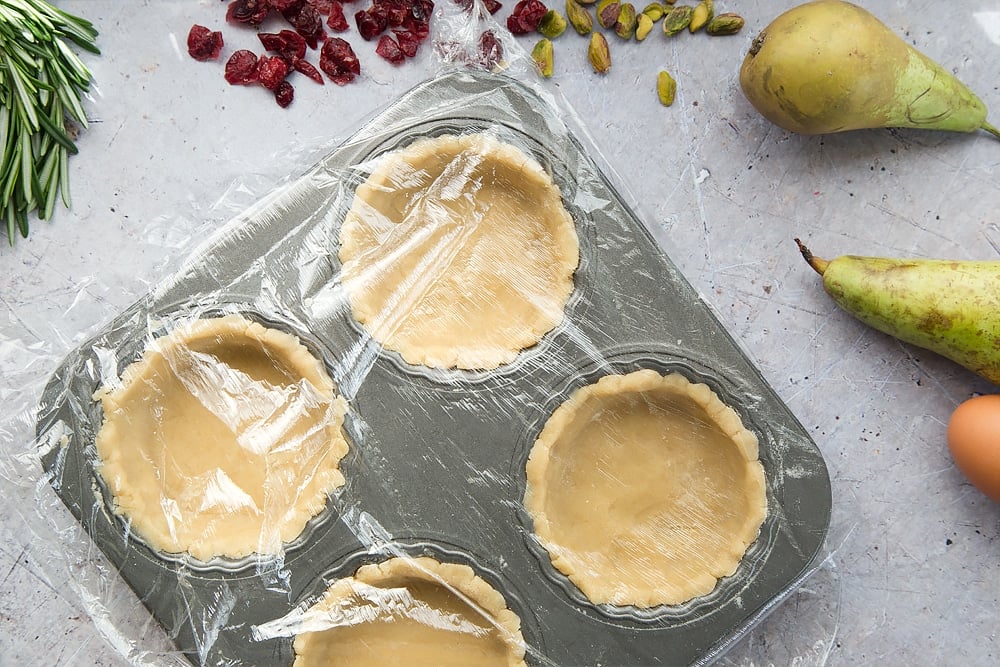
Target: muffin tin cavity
x,y
454,316
223,439
616,400
427,602
645,489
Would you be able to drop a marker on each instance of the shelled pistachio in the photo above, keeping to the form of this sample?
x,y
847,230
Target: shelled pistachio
x,y
626,23
725,24
666,88
643,26
579,17
677,19
607,13
598,53
655,11
701,15
552,24
544,56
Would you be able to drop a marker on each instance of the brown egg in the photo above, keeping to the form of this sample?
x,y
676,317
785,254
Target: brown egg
x,y
974,441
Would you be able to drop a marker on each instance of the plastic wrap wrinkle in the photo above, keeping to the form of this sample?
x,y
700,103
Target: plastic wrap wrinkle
x,y
625,539
458,252
462,618
209,382
438,456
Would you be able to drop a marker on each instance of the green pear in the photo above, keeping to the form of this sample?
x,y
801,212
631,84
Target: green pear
x,y
831,66
949,307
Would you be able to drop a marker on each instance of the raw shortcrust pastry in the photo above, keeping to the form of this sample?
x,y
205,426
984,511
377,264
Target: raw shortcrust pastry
x,y
410,612
224,439
458,252
645,489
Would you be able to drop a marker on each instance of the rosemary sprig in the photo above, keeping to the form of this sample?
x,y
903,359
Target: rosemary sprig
x,y
41,82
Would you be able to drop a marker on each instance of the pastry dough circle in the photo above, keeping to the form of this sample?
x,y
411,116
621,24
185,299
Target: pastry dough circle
x,y
410,612
224,439
458,252
645,489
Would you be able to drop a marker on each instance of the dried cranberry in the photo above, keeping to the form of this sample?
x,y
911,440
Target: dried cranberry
x,y
288,44
408,42
324,7
421,10
337,21
203,44
396,11
370,23
338,60
296,44
271,71
241,68
419,19
492,6
526,16
272,41
286,50
389,49
284,94
252,12
305,67
307,22
419,31
490,50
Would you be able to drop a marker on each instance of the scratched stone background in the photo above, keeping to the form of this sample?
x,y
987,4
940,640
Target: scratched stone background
x,y
910,572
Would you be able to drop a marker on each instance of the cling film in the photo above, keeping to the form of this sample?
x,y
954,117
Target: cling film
x,y
367,360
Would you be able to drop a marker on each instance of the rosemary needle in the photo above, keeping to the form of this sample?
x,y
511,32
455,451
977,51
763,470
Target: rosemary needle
x,y
41,82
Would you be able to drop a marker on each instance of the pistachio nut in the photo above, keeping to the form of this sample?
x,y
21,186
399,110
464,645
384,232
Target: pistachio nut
x,y
625,26
543,56
600,56
579,17
725,24
677,19
587,2
642,27
607,13
666,88
654,11
552,24
701,15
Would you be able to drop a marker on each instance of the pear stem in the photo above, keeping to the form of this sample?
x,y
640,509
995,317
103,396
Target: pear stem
x,y
818,264
992,130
